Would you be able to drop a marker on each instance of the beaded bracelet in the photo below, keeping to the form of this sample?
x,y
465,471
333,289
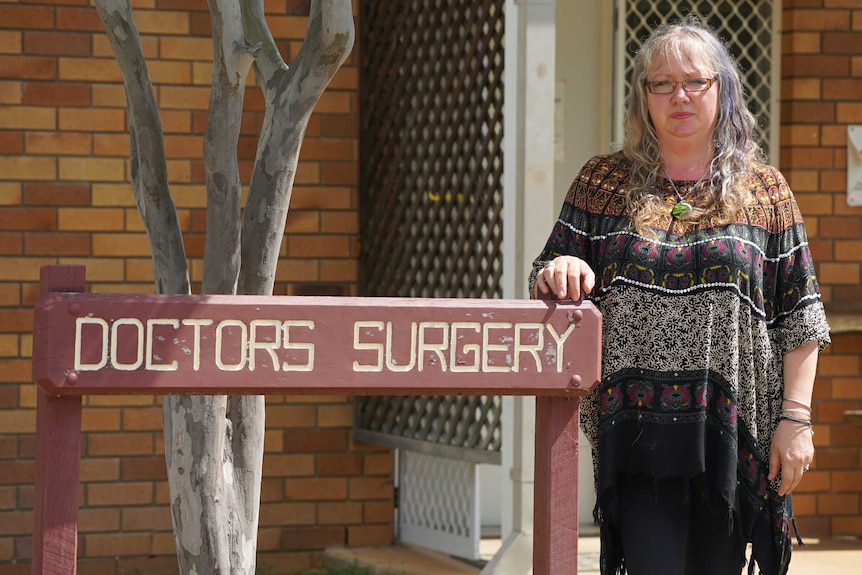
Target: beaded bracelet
x,y
797,420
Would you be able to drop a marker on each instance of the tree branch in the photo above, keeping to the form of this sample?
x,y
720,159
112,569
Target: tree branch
x,y
232,60
149,168
290,99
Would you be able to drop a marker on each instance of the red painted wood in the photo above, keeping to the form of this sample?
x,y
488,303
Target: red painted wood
x,y
66,367
58,456
349,339
555,516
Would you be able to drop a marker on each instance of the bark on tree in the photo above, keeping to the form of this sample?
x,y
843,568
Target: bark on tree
x,y
214,444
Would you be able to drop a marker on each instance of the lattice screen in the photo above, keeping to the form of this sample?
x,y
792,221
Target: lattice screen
x,y
439,506
746,26
463,423
431,188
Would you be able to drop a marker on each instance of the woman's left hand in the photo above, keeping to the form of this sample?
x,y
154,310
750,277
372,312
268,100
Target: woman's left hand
x,y
791,453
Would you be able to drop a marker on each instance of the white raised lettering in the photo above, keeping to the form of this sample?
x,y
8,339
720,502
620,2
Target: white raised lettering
x,y
79,325
196,345
560,341
115,338
151,364
308,347
488,347
466,349
243,346
390,362
268,346
435,348
358,326
534,349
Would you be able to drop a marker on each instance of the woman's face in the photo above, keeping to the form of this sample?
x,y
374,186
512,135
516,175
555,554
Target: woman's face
x,y
682,118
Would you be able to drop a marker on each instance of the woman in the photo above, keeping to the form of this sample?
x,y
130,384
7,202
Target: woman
x,y
697,256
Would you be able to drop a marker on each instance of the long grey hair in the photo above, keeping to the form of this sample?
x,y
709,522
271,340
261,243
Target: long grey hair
x,y
734,140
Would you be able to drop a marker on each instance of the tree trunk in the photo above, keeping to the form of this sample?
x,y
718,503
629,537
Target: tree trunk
x,y
214,444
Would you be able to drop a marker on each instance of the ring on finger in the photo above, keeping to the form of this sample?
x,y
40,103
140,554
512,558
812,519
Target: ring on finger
x,y
806,468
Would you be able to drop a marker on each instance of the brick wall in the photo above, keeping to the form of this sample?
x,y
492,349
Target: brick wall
x,y
65,198
821,95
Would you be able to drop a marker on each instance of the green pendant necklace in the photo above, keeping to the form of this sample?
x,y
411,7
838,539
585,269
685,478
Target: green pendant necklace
x,y
682,210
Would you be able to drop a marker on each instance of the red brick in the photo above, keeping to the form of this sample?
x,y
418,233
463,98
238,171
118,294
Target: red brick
x,y
312,538
114,494
291,416
19,471
101,444
362,535
16,320
11,244
814,481
841,228
370,488
107,545
340,513
847,526
11,143
143,469
847,481
283,465
315,441
99,469
99,520
847,435
315,489
849,343
56,94
808,113
279,514
27,218
56,244
820,20
147,519
842,89
378,463
377,511
59,143
846,43
28,68
26,17
339,465
56,194
81,19
804,505
57,44
830,458
836,504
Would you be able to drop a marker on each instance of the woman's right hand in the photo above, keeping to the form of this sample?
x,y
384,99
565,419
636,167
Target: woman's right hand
x,y
565,277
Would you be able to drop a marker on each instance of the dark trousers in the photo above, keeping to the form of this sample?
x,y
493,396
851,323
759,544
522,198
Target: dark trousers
x,y
666,532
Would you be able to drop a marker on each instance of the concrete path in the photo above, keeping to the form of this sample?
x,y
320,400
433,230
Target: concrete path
x,y
817,557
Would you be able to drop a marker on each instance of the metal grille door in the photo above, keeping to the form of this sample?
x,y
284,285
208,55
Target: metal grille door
x,y
431,207
431,175
747,26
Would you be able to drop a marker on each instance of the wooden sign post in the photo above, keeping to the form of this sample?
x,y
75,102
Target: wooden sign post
x,y
101,344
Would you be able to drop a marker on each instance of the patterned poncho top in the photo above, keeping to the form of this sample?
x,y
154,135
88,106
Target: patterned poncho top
x,y
696,321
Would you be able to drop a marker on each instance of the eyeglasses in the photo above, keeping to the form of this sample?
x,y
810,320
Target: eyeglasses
x,y
691,85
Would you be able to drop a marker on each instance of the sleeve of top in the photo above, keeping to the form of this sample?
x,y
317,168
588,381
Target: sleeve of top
x,y
794,309
570,234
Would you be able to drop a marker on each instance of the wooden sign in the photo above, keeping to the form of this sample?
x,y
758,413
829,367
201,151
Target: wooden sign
x,y
84,343
101,344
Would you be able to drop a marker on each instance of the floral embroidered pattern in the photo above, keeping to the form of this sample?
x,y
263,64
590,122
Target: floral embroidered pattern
x,y
695,322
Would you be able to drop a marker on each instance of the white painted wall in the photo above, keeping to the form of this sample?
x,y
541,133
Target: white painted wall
x,y
583,129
